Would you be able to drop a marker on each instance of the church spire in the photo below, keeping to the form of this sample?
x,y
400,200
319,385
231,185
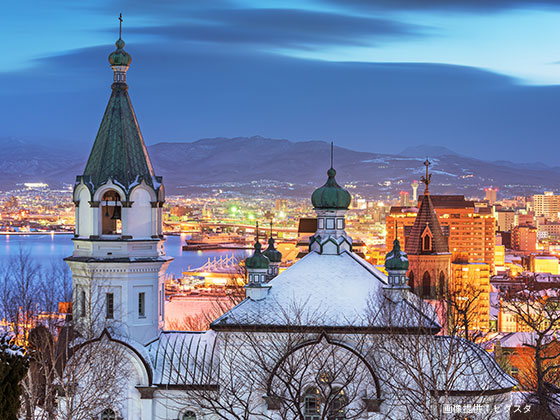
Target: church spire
x,y
119,154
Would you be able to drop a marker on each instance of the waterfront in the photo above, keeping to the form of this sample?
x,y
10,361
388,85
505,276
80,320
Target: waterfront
x,y
47,249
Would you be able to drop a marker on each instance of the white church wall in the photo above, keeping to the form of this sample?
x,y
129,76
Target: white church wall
x,y
140,214
84,221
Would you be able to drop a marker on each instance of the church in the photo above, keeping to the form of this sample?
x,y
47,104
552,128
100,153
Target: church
x,y
331,337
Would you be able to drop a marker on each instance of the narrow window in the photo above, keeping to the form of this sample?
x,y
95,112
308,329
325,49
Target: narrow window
x,y
109,306
141,305
340,224
311,404
427,243
83,304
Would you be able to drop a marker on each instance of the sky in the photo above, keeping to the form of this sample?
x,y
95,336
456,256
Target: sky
x,y
479,77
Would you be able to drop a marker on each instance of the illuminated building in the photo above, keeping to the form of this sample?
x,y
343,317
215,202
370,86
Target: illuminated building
x,y
470,229
491,194
505,220
546,230
404,198
414,186
427,249
472,280
499,257
543,264
547,205
524,238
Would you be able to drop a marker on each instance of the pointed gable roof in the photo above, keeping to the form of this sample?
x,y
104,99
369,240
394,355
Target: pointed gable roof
x,y
426,218
119,153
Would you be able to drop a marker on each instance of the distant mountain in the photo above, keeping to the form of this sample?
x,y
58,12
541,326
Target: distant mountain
x,y
259,165
425,150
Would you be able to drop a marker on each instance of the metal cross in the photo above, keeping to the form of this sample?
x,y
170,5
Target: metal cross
x,y
427,179
120,25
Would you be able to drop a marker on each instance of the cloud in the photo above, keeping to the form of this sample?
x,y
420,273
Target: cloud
x,y
195,92
282,28
462,5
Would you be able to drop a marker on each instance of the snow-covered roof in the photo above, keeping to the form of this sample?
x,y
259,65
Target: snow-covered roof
x,y
475,369
326,290
183,358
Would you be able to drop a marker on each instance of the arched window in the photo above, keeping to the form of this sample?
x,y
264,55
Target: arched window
x,y
188,415
337,406
108,414
83,304
426,290
411,280
311,404
427,243
441,285
110,213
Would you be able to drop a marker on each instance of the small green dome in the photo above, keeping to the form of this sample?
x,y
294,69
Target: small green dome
x,y
331,195
120,57
257,260
272,253
396,259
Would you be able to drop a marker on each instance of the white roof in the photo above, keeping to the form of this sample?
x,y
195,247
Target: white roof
x,y
183,358
327,290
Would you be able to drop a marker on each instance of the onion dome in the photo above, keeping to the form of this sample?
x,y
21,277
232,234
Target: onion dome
x,y
396,259
273,255
331,195
120,57
257,260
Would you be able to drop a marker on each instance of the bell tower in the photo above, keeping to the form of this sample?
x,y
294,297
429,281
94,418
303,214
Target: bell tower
x,y
428,249
118,260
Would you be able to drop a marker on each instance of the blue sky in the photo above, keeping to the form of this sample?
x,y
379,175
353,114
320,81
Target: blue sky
x,y
480,77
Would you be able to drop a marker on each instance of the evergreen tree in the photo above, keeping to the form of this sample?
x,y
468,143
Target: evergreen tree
x,y
13,367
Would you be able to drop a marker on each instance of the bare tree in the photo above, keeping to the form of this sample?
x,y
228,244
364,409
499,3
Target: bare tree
x,y
431,376
82,370
18,293
463,308
298,372
538,312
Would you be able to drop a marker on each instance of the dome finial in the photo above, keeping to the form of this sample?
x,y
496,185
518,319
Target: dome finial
x,y
257,260
331,195
119,59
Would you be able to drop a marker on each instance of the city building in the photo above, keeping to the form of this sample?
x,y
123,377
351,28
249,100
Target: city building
x,y
470,230
524,238
490,194
505,219
404,200
414,186
547,205
543,264
471,281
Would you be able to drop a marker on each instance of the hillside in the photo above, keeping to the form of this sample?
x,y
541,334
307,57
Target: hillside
x,y
258,165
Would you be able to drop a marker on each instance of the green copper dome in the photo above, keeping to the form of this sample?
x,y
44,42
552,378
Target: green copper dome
x,y
331,195
272,253
257,260
396,259
120,57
